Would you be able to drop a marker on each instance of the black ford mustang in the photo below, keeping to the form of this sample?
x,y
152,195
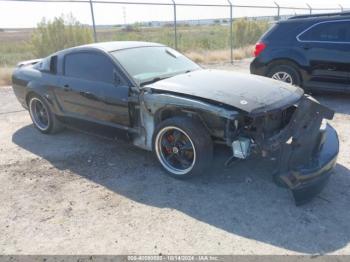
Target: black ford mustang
x,y
166,103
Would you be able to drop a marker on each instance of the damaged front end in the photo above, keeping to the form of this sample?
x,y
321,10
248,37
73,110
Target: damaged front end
x,y
293,132
299,138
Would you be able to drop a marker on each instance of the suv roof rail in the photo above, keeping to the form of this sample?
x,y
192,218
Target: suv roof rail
x,y
321,15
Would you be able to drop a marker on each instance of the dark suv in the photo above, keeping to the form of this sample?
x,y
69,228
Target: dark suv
x,y
312,51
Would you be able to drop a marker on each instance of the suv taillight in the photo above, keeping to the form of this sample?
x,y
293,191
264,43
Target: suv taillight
x,y
259,47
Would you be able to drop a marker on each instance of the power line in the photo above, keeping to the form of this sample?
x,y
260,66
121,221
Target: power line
x,y
171,4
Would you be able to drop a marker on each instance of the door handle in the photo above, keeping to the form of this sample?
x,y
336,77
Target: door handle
x,y
66,87
89,95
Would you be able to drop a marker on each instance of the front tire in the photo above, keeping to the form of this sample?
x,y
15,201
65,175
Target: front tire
x,y
183,147
43,118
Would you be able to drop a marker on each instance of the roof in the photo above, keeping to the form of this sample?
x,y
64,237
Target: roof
x,y
320,17
119,45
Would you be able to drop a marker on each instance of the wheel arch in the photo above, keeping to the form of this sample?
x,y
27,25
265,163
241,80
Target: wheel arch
x,y
283,61
29,95
36,89
166,112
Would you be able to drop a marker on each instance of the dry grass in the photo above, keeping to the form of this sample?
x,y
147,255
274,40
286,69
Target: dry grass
x,y
5,76
214,56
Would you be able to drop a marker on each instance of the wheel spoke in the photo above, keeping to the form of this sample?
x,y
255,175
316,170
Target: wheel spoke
x,y
166,143
170,157
276,77
284,77
36,107
182,160
177,134
44,119
187,146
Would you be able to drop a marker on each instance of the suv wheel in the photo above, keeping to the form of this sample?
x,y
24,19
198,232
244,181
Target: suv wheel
x,y
43,119
183,147
285,73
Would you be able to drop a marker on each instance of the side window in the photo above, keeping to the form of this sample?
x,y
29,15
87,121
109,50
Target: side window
x,y
44,65
48,65
53,64
89,66
328,32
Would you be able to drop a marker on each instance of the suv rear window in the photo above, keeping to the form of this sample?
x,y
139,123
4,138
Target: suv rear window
x,y
332,31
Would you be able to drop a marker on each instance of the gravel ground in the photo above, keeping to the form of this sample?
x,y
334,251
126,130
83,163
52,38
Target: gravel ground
x,y
77,194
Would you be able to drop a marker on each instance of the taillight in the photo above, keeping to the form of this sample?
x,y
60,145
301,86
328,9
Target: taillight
x,y
259,47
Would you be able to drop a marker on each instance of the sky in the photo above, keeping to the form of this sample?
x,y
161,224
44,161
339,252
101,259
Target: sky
x,y
28,14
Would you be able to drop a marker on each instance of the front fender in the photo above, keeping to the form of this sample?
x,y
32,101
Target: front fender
x,y
151,104
154,102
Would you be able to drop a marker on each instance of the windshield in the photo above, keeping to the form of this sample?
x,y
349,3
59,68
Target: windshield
x,y
148,64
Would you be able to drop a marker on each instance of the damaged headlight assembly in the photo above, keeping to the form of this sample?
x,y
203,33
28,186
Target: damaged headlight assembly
x,y
305,147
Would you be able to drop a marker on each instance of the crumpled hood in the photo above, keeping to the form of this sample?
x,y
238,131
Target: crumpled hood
x,y
249,93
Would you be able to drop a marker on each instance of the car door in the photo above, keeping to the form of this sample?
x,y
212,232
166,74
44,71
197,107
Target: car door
x,y
92,88
327,47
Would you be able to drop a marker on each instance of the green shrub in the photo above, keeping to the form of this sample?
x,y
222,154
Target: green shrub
x,y
62,32
247,32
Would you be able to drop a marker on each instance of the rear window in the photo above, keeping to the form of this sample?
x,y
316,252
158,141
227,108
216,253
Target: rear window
x,y
278,33
43,65
273,27
48,65
332,31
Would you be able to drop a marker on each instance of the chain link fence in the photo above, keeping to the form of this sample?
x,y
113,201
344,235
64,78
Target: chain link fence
x,y
222,34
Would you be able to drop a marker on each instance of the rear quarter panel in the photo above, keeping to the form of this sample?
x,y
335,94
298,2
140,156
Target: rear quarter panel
x,y
26,80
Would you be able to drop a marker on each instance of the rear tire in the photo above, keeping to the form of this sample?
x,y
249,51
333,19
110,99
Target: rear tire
x,y
43,118
285,73
183,147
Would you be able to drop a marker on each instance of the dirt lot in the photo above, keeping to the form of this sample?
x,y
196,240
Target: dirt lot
x,y
76,194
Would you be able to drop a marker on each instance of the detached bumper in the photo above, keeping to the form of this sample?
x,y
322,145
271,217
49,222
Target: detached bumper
x,y
308,183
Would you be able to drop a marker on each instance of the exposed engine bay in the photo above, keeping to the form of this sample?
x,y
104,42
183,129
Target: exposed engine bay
x,y
298,125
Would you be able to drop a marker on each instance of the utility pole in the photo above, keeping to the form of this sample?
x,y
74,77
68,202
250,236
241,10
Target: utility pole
x,y
93,20
278,11
231,31
175,24
310,8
